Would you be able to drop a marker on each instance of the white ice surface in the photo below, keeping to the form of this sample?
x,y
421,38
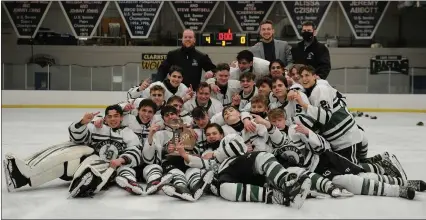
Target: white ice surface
x,y
26,130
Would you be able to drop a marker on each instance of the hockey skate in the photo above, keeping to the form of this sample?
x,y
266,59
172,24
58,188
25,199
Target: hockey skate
x,y
407,192
129,185
392,166
84,185
14,178
192,194
418,185
155,185
293,195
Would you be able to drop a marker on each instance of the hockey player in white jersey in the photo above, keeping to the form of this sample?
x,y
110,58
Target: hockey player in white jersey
x,y
115,147
136,91
249,89
277,69
291,107
142,125
156,150
310,150
223,88
78,160
156,94
255,140
203,98
249,177
248,63
173,85
202,119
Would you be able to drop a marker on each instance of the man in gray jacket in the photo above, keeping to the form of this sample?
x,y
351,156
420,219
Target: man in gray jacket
x,y
269,48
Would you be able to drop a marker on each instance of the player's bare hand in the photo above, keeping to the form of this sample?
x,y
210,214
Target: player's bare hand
x,y
99,123
193,133
145,84
116,163
208,75
129,107
260,120
249,125
189,94
208,156
301,129
180,148
249,148
291,95
88,117
215,88
234,64
236,99
154,128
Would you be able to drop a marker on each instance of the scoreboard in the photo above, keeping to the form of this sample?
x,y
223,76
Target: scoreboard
x,y
224,39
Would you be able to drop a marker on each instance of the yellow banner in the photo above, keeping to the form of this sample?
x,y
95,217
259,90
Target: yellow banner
x,y
151,61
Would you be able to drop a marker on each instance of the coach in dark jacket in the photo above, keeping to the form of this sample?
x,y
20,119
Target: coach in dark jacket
x,y
311,52
189,59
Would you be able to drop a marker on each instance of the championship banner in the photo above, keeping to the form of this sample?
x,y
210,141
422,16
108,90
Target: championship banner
x,y
364,16
301,11
249,14
83,17
151,61
194,15
139,16
26,16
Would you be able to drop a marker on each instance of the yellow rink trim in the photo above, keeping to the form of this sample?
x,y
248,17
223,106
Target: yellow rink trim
x,y
104,106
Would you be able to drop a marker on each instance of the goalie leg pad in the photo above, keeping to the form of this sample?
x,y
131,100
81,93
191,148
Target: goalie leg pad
x,y
59,161
100,171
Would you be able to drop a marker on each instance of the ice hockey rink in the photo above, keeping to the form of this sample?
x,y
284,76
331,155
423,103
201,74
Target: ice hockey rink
x,y
27,130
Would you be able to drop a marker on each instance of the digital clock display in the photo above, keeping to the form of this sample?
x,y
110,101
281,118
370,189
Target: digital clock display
x,y
227,39
224,39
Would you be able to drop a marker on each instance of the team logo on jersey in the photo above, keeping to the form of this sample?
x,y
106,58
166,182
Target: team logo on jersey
x,y
294,154
109,149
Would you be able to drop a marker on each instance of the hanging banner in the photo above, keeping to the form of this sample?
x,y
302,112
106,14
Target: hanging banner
x,y
83,16
364,16
26,16
194,15
139,16
249,14
301,11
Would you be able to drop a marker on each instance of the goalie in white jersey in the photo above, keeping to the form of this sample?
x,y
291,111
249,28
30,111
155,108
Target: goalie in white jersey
x,y
89,160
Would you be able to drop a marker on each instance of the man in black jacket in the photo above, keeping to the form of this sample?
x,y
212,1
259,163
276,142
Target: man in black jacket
x,y
189,59
311,52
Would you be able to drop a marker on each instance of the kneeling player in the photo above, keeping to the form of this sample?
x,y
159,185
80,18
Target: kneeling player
x,y
254,177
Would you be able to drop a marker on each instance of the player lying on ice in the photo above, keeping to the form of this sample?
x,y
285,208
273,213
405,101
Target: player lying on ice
x,y
248,176
89,160
304,148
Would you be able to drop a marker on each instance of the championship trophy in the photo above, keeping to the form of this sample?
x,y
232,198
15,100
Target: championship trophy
x,y
181,134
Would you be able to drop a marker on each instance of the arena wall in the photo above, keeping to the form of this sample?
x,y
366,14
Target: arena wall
x,y
98,99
